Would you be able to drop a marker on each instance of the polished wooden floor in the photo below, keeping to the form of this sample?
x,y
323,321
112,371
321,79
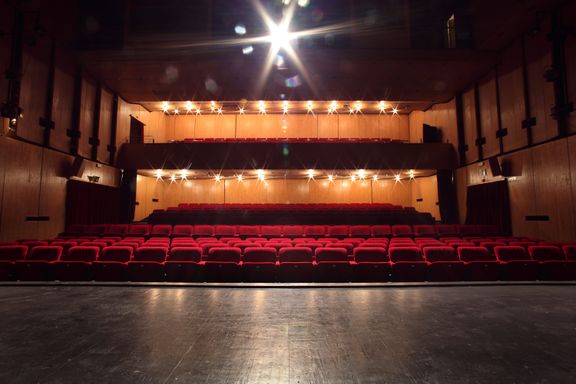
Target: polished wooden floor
x,y
98,334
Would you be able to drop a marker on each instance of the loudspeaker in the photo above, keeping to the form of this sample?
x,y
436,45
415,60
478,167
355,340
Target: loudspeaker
x,y
77,168
495,167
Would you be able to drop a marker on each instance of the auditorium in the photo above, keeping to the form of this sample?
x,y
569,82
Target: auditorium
x,y
287,191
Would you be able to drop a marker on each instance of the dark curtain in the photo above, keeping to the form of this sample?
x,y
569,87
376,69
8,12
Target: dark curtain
x,y
89,203
489,204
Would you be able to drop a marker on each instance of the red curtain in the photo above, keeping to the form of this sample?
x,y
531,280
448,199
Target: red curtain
x,y
489,203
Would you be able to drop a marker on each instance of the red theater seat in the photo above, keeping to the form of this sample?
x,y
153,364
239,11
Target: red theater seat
x,y
569,252
66,245
372,264
203,230
184,264
407,264
424,230
479,264
116,229
443,264
296,264
147,264
315,230
447,229
34,243
360,231
39,264
468,230
333,265
516,263
402,230
112,263
259,264
95,230
338,230
182,230
244,244
225,230
9,254
490,245
381,231
271,230
293,231
161,230
138,230
248,230
76,265
552,263
223,264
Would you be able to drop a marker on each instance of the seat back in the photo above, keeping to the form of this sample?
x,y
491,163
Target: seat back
x,y
474,253
161,230
295,255
271,230
424,230
370,254
116,253
183,230
329,254
117,229
405,254
402,230
96,229
433,254
447,229
225,230
248,230
45,253
81,253
511,253
33,243
360,230
293,230
381,231
338,230
203,230
183,253
66,245
546,253
156,254
13,252
139,229
315,230
224,254
569,251
260,255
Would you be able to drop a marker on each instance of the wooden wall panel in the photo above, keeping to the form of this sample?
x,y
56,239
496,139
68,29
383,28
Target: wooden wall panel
x,y
33,91
141,209
426,188
183,127
300,126
328,126
123,123
52,202
87,104
255,126
390,191
470,126
489,115
217,126
569,18
5,39
572,159
62,108
21,189
538,57
512,108
416,121
105,126
461,176
553,190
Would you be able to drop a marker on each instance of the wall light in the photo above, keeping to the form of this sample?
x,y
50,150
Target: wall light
x,y
310,173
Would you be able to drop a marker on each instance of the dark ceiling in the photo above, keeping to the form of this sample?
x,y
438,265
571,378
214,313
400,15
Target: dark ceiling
x,y
151,50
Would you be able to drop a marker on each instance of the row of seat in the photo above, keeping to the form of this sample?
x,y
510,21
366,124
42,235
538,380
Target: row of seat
x,y
292,140
398,262
279,230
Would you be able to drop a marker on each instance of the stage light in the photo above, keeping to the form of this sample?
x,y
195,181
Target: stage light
x,y
375,178
248,50
212,106
279,36
217,178
353,178
358,106
198,111
333,107
158,173
189,106
382,107
411,174
240,29
285,107
397,178
362,174
351,110
303,3
165,107
395,110
176,111
310,106
219,110
262,107
260,174
172,178
330,178
184,174
241,110
240,178
310,173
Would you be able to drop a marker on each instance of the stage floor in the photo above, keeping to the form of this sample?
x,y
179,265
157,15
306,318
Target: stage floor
x,y
146,334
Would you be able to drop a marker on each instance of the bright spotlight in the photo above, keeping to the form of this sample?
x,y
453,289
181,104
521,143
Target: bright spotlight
x,y
397,178
279,36
217,178
310,173
158,174
189,106
330,178
172,178
240,177
285,107
362,174
240,29
310,106
260,174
